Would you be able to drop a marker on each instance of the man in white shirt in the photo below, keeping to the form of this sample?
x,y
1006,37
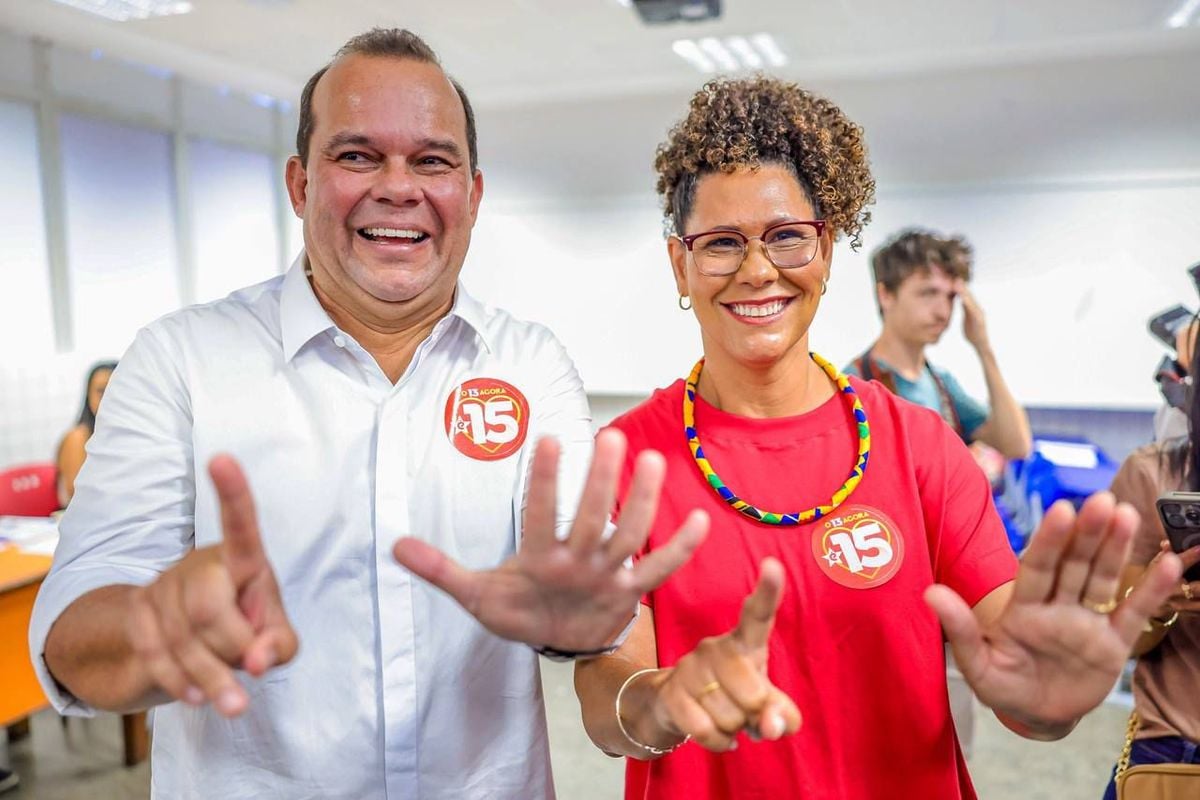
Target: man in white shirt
x,y
378,412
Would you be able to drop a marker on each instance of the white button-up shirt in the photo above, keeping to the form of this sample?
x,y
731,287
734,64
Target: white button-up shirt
x,y
396,692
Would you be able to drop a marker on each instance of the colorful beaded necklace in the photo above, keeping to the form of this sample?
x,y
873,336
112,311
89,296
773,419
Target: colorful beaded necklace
x,y
768,517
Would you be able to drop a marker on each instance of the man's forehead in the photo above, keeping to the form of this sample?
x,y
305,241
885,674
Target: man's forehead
x,y
355,79
930,274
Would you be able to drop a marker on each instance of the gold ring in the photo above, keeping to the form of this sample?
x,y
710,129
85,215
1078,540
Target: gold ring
x,y
1103,608
709,687
1187,591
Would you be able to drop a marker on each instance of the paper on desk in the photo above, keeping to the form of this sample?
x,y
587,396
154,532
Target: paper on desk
x,y
34,535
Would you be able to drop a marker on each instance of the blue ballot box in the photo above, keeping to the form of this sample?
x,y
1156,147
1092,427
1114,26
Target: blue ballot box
x,y
1058,467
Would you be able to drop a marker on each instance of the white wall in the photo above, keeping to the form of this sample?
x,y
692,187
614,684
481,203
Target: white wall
x,y
597,275
98,189
1068,276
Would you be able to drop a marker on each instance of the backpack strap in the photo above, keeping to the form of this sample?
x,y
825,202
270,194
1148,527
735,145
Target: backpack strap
x,y
872,370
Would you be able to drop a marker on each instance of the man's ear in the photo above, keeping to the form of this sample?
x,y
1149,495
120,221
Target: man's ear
x,y
476,194
296,177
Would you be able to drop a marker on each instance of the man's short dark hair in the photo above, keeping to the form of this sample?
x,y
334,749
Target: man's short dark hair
x,y
916,250
383,43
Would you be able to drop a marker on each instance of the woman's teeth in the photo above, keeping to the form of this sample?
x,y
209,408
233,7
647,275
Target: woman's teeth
x,y
757,310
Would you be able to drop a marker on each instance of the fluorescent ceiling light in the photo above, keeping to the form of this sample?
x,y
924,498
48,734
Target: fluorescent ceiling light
x,y
733,53
719,53
765,43
1183,15
124,10
745,53
690,52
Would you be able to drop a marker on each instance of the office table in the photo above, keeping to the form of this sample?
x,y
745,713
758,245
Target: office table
x,y
21,695
21,575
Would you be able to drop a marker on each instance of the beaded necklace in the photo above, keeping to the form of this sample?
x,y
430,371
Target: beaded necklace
x,y
769,517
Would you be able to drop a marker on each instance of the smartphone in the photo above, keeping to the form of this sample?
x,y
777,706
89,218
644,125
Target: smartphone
x,y
1180,514
1165,325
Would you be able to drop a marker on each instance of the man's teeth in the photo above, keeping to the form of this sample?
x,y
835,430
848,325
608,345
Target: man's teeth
x,y
764,310
393,233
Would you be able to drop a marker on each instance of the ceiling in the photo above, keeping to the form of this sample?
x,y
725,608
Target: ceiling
x,y
540,49
577,92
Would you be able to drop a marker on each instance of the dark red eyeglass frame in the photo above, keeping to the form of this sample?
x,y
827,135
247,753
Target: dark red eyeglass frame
x,y
819,224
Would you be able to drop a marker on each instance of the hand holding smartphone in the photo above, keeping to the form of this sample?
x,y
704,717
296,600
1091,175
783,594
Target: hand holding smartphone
x,y
1180,515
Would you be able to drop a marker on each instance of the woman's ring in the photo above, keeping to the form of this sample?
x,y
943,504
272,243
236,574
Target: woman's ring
x,y
1103,608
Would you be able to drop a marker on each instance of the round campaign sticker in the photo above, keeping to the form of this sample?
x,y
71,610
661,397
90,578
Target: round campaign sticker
x,y
858,546
487,419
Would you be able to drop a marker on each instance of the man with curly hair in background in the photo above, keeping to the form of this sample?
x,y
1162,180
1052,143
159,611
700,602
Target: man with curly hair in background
x,y
918,276
867,507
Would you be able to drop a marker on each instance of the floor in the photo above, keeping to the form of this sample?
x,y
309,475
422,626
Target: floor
x,y
83,762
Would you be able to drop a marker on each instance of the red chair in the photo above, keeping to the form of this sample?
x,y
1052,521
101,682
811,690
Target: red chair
x,y
30,490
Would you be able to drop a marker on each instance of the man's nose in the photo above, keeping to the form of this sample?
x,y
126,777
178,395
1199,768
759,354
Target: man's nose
x,y
396,184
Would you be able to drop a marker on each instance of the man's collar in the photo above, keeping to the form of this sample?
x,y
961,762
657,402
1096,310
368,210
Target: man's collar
x,y
472,312
302,317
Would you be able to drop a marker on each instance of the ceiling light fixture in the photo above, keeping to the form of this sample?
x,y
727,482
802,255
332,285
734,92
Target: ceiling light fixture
x,y
732,53
745,52
690,52
719,53
765,43
1183,15
125,10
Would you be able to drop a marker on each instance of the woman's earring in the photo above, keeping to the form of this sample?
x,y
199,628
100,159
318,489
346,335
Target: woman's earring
x,y
824,286
688,307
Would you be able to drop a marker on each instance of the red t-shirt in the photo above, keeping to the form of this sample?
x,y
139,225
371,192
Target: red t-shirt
x,y
854,643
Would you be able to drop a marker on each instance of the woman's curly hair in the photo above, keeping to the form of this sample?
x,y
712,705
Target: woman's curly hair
x,y
748,122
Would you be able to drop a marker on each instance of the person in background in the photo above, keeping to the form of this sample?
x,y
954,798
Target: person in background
x,y
799,652
918,277
1166,726
72,450
265,460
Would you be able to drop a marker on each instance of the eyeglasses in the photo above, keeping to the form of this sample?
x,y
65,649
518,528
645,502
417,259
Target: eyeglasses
x,y
788,245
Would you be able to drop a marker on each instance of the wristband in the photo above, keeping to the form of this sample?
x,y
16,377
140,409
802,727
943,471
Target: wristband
x,y
554,654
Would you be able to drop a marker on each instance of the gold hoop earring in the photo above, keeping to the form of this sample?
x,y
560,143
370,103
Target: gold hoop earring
x,y
824,287
682,307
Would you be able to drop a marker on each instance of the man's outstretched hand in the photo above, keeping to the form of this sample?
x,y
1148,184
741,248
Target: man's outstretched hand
x,y
575,594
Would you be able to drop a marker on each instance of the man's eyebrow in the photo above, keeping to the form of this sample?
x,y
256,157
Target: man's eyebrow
x,y
445,145
346,138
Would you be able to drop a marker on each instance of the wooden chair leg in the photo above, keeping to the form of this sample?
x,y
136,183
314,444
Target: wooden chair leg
x,y
137,738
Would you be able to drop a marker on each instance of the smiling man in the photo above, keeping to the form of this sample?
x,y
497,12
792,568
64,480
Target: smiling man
x,y
918,277
381,414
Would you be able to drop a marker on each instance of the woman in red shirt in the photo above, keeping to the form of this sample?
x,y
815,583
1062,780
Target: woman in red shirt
x,y
850,528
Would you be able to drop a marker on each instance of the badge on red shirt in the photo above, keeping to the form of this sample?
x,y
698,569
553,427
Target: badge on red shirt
x,y
487,419
858,546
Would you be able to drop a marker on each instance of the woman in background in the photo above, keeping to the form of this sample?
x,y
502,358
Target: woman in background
x,y
1166,725
71,450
